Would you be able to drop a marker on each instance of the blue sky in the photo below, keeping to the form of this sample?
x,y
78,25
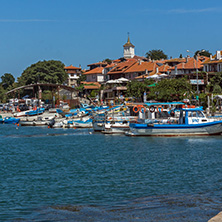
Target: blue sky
x,y
87,31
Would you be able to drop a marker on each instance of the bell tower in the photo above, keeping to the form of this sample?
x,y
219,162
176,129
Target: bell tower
x,y
128,49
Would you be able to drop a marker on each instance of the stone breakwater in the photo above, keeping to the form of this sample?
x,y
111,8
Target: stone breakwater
x,y
217,218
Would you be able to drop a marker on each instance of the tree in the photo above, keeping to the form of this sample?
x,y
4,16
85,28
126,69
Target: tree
x,y
108,61
156,54
44,72
81,78
136,89
7,80
216,80
181,56
217,89
170,90
203,53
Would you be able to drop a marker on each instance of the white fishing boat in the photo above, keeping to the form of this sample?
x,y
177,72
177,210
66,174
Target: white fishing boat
x,y
116,127
21,114
39,121
191,122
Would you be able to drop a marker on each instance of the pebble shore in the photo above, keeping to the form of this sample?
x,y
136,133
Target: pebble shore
x,y
217,218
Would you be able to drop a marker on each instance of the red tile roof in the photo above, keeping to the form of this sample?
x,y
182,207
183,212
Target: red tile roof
x,y
97,63
164,68
190,64
111,65
141,67
179,60
97,70
91,85
208,61
122,67
72,67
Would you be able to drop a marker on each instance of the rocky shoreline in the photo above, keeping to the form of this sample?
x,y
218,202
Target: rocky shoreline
x,y
217,218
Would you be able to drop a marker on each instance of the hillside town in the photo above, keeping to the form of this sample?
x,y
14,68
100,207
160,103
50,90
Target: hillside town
x,y
114,75
131,78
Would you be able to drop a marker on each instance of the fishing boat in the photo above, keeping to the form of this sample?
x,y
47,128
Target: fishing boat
x,y
80,123
114,127
21,113
113,120
9,120
40,121
191,122
35,112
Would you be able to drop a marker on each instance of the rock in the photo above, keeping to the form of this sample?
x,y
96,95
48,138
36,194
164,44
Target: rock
x,y
217,218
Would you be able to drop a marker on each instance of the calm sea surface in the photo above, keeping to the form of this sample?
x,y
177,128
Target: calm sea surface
x,y
76,175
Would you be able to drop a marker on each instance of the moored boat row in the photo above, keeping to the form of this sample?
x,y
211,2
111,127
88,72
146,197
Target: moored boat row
x,y
147,119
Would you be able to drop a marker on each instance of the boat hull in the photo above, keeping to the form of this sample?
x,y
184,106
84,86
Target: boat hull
x,y
214,128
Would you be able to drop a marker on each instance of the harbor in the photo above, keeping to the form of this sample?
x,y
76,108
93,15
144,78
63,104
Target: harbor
x,y
77,173
110,111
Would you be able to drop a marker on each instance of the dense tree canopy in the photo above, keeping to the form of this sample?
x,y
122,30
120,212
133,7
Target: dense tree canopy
x,y
109,61
7,80
203,53
216,83
136,89
164,90
44,72
156,54
170,90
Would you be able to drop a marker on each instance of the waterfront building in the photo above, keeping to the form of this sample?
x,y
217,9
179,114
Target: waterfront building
x,y
188,67
95,75
88,87
120,69
73,74
214,63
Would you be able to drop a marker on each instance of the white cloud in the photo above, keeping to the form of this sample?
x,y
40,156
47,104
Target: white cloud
x,y
183,11
186,11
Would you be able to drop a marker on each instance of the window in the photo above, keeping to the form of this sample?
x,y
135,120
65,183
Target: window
x,y
200,114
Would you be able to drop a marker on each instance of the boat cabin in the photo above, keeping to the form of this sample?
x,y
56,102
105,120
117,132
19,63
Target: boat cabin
x,y
192,116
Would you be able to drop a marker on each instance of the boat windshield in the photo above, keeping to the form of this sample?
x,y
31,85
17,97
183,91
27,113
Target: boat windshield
x,y
195,114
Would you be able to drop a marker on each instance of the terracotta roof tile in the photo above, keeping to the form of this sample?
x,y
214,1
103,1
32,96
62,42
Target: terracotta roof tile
x,y
91,85
72,67
190,64
97,70
141,67
122,67
176,60
97,63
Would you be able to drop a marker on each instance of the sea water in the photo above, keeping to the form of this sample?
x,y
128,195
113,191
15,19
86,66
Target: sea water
x,y
77,175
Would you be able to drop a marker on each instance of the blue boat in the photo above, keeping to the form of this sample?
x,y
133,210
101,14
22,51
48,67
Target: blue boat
x,y
10,120
191,122
38,111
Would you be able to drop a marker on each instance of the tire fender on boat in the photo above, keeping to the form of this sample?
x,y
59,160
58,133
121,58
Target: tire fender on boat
x,y
152,109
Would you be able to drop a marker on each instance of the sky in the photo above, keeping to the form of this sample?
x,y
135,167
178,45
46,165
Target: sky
x,y
88,31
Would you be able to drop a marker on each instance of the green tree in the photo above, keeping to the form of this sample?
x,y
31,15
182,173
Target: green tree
x,y
203,53
181,56
44,72
217,89
216,80
170,90
81,78
108,61
7,80
156,54
136,89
